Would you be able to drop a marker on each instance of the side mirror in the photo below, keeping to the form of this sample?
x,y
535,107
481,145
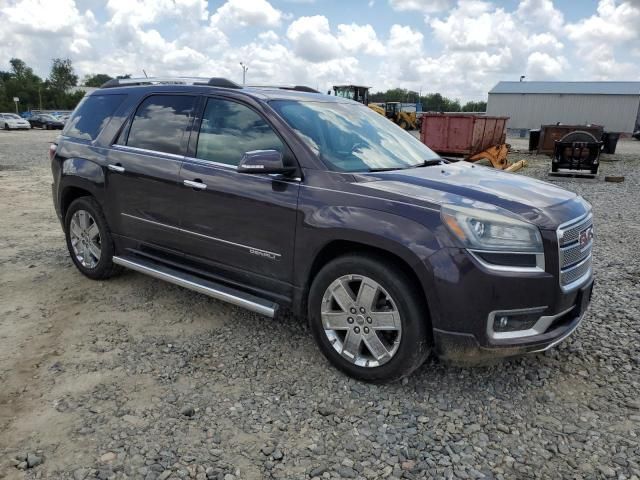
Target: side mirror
x,y
263,161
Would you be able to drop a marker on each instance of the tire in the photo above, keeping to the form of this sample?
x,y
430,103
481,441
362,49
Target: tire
x,y
399,302
6,126
98,234
46,127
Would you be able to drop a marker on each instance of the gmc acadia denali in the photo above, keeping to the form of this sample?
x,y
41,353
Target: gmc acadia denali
x,y
266,197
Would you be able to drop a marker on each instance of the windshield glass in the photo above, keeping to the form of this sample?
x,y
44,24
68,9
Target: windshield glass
x,y
12,115
352,137
48,117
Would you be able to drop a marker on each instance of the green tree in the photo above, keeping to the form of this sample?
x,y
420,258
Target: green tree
x,y
62,76
96,80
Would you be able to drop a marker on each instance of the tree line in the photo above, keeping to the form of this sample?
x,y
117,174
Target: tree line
x,y
432,102
52,93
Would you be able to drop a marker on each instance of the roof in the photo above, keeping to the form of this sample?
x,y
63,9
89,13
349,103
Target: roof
x,y
569,88
263,93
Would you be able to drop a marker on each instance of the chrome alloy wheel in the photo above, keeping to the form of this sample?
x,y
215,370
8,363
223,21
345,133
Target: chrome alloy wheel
x,y
361,320
85,239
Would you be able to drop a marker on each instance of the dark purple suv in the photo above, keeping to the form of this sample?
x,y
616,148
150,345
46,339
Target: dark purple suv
x,y
269,197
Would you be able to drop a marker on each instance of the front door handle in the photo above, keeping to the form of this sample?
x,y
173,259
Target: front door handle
x,y
197,184
116,168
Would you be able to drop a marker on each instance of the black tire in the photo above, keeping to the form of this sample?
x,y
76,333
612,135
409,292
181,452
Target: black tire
x,y
105,267
415,341
46,127
6,126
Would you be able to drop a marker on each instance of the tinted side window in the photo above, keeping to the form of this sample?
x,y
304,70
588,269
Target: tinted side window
x,y
160,123
230,129
91,116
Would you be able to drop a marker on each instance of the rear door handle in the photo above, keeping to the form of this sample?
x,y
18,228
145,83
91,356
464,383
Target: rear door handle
x,y
116,168
197,184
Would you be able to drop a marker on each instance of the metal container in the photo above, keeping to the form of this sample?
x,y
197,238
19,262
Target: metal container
x,y
550,133
462,135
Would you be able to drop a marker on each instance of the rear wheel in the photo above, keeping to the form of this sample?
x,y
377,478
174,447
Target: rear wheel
x,y
368,318
89,239
6,126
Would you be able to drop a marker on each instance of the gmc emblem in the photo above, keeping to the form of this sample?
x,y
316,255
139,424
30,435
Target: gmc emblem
x,y
586,236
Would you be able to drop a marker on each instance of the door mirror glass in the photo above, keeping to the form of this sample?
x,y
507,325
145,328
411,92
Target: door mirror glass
x,y
263,161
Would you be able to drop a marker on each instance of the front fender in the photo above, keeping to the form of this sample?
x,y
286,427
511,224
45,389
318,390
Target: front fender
x,y
414,242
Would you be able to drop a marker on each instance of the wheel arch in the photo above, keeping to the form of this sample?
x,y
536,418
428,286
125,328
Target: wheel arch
x,y
341,247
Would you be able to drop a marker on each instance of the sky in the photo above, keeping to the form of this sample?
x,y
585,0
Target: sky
x,y
457,48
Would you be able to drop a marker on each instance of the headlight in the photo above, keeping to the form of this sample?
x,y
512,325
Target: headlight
x,y
488,230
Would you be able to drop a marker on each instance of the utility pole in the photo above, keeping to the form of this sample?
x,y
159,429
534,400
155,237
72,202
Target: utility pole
x,y
40,97
244,72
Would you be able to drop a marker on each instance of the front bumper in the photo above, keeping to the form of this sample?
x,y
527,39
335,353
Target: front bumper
x,y
19,126
464,348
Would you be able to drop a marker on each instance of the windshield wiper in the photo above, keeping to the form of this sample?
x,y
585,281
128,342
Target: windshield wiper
x,y
429,163
386,169
426,163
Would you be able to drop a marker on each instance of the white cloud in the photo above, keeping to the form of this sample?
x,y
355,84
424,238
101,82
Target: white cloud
x,y
360,39
540,13
33,16
459,48
312,40
542,65
424,6
243,13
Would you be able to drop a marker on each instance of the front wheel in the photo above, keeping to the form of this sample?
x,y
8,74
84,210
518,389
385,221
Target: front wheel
x,y
368,318
6,126
89,239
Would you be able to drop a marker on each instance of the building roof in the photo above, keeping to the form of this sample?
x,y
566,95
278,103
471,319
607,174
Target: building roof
x,y
569,88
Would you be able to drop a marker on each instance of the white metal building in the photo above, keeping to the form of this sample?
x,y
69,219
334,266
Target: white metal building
x,y
614,105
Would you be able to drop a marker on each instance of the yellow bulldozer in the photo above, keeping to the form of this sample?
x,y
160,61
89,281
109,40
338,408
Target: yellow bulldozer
x,y
391,110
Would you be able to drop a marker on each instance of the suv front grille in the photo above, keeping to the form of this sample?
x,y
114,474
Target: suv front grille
x,y
575,259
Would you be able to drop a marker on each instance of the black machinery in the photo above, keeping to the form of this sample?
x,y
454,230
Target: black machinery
x,y
576,151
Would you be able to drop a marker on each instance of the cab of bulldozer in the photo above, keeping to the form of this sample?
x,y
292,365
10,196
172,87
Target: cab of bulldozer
x,y
391,109
352,92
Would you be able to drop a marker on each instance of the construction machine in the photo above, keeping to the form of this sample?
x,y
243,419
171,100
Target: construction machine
x,y
391,110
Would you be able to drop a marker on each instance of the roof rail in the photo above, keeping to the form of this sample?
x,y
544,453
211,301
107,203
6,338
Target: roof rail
x,y
297,88
129,82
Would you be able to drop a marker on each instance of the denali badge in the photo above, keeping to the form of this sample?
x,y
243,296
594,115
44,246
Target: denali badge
x,y
262,253
586,236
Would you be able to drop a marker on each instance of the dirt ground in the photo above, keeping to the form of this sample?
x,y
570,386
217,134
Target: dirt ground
x,y
88,370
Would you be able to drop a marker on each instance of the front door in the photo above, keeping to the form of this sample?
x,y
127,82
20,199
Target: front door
x,y
243,223
143,183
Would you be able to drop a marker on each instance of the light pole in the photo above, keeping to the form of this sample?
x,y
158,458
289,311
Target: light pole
x,y
244,72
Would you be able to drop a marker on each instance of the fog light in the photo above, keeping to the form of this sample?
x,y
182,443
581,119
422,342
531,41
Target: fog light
x,y
514,322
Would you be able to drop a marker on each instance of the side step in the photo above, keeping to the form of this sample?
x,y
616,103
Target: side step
x,y
198,284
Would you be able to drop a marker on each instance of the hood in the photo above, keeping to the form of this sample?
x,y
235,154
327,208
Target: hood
x,y
534,200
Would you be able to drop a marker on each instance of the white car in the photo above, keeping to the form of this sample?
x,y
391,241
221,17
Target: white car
x,y
11,120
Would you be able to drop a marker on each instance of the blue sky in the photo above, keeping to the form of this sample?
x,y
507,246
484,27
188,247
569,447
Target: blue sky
x,y
459,48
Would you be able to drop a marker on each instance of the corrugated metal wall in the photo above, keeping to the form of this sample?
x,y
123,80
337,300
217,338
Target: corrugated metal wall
x,y
617,113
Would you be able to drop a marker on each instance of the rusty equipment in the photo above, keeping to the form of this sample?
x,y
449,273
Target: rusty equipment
x,y
549,134
514,167
576,151
471,137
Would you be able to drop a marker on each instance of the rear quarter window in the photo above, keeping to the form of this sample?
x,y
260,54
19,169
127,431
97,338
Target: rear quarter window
x,y
92,115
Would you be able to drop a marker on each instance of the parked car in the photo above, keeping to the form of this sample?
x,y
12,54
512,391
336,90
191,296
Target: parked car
x,y
269,198
46,121
13,121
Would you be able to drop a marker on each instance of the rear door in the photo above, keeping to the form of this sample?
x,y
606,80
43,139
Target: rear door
x,y
244,223
143,170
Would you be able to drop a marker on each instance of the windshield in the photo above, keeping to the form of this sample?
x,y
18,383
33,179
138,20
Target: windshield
x,y
48,117
351,137
12,115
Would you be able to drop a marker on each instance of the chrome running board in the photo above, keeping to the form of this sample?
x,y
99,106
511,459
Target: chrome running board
x,y
198,284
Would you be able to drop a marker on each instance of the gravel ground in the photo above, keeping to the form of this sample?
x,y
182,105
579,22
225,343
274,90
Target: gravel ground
x,y
135,378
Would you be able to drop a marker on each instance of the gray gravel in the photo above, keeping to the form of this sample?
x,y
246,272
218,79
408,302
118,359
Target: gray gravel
x,y
154,382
